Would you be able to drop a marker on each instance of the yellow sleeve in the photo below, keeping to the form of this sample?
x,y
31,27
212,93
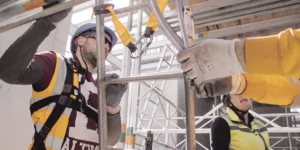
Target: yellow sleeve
x,y
269,89
274,55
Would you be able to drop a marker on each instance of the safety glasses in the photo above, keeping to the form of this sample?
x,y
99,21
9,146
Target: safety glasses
x,y
92,34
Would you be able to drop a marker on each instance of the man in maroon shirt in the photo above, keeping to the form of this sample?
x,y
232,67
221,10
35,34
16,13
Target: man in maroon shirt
x,y
21,65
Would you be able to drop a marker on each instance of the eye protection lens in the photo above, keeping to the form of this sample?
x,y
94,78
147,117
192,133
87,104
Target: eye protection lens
x,y
93,35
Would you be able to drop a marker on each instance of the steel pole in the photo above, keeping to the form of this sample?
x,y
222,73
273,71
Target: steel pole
x,y
146,77
41,14
190,95
126,67
184,35
208,130
135,89
170,34
288,125
102,114
63,6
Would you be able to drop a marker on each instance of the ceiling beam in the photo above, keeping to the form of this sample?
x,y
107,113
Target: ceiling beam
x,y
255,14
246,12
261,25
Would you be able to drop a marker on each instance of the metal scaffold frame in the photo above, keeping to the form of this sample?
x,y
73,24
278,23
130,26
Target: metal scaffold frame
x,y
134,128
268,119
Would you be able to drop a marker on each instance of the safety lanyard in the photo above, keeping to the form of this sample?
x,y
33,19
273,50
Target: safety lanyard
x,y
122,31
124,34
152,22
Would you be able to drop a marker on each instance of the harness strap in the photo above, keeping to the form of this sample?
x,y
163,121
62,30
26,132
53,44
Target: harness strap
x,y
62,102
153,22
68,102
59,108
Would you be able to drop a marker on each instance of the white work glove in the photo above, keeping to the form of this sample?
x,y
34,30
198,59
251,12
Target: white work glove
x,y
114,92
209,60
234,84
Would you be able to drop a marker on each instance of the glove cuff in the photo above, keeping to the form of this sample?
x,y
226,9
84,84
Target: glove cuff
x,y
238,84
113,110
235,61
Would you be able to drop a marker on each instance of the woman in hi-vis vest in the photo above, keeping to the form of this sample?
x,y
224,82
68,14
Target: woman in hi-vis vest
x,y
238,129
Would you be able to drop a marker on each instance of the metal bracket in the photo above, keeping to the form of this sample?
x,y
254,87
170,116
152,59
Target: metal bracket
x,y
100,9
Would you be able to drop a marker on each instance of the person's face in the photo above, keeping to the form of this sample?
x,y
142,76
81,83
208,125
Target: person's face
x,y
241,103
89,48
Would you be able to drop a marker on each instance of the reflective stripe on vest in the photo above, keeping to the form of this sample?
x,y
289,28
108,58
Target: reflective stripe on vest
x,y
244,138
56,136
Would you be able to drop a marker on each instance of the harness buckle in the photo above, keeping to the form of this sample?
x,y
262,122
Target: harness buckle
x,y
83,105
67,88
65,101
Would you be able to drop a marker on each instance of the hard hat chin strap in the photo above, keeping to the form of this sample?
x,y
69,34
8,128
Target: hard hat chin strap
x,y
80,69
86,66
235,109
227,101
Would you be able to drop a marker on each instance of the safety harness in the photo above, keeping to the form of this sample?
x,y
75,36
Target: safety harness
x,y
62,101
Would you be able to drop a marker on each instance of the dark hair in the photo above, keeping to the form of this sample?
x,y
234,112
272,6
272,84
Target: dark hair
x,y
226,100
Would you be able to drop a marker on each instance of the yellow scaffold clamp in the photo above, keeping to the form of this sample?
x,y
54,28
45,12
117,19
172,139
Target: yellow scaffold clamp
x,y
124,34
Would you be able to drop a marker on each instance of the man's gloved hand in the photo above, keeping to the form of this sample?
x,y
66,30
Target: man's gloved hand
x,y
210,59
59,16
199,90
234,84
114,92
215,88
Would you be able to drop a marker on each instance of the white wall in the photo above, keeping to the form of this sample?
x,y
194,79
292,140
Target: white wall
x,y
16,128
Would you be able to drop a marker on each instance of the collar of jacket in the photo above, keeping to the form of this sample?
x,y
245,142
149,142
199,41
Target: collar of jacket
x,y
237,118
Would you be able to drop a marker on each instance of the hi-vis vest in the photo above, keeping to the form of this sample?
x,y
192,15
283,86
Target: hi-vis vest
x,y
51,108
244,138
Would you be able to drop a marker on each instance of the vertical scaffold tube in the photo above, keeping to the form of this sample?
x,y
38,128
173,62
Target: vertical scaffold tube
x,y
125,69
102,114
189,94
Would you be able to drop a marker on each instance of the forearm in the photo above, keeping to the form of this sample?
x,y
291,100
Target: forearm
x,y
15,62
276,90
113,128
271,55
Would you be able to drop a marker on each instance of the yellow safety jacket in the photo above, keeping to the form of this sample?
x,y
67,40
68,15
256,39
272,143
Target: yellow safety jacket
x,y
51,108
244,138
273,68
